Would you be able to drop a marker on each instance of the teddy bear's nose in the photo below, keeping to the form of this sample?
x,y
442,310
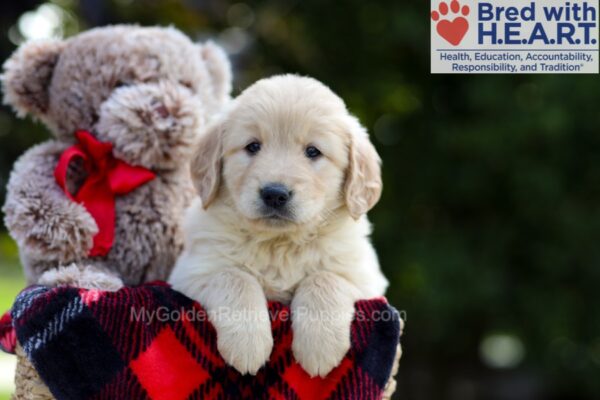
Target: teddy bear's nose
x,y
162,110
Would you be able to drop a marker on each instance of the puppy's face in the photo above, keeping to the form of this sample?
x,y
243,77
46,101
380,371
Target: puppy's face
x,y
287,154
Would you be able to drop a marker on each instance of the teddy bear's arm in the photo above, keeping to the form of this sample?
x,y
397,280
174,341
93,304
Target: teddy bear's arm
x,y
46,224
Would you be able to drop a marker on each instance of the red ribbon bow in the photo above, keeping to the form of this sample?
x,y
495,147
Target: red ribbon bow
x,y
107,177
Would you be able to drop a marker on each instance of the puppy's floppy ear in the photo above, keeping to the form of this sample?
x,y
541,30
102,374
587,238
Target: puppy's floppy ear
x,y
207,164
27,75
219,69
363,178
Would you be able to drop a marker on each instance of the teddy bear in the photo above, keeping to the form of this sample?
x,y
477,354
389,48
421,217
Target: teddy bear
x,y
99,205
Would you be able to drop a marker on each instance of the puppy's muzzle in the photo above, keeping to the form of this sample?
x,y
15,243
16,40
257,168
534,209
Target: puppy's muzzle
x,y
275,196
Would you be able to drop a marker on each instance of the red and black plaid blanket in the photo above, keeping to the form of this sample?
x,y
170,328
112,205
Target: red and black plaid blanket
x,y
151,342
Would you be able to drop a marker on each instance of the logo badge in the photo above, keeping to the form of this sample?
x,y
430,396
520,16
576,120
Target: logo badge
x,y
514,36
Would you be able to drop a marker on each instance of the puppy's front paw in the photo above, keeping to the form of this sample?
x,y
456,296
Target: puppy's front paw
x,y
320,345
246,346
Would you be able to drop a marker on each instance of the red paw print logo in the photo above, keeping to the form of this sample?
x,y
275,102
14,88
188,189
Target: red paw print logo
x,y
453,30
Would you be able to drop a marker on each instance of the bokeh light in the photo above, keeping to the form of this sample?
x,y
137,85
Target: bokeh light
x,y
501,350
7,370
43,23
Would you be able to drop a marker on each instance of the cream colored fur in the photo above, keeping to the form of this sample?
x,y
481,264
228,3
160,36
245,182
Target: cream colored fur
x,y
320,259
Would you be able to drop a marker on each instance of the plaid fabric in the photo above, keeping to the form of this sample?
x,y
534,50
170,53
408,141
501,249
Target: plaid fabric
x,y
8,337
151,342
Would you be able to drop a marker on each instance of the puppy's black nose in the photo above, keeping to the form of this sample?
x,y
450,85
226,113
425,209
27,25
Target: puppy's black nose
x,y
275,195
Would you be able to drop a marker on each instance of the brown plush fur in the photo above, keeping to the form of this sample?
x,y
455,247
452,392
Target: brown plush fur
x,y
149,91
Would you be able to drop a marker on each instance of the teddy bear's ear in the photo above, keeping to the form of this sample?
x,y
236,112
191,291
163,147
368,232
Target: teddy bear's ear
x,y
219,69
27,75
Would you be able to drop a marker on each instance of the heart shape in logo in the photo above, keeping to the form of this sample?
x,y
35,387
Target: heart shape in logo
x,y
453,31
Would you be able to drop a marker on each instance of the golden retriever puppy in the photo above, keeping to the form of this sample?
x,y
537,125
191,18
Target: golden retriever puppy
x,y
285,178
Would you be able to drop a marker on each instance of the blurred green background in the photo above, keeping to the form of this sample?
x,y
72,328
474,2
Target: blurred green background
x,y
490,219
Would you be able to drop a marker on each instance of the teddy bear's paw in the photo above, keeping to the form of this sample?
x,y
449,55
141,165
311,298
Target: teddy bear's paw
x,y
64,244
85,277
320,345
245,346
53,230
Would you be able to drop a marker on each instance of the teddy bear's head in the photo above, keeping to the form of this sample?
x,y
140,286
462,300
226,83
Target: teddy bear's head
x,y
149,91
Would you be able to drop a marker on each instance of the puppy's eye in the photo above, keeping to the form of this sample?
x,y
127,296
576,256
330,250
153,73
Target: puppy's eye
x,y
253,148
312,152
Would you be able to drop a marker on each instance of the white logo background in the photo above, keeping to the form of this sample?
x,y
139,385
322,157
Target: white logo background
x,y
536,57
